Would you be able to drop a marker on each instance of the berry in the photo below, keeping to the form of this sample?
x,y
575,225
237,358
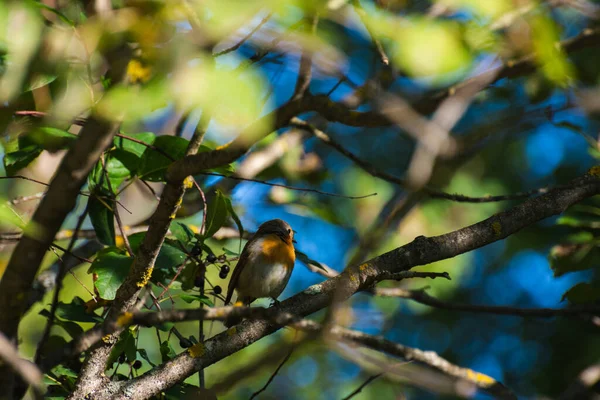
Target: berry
x,y
137,364
198,281
211,258
217,290
196,251
184,343
225,268
122,358
223,274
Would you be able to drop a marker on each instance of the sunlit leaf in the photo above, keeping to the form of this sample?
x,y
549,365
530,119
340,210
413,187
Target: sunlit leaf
x,y
132,146
431,49
228,96
20,28
51,139
182,232
132,103
552,58
19,159
483,9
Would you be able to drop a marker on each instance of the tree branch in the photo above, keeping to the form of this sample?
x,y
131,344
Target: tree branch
x,y
421,251
59,200
420,296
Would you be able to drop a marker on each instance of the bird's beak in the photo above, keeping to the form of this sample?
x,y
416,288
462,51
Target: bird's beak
x,y
294,241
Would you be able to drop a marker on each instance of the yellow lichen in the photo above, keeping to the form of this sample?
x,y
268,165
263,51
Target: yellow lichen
x,y
106,338
231,331
224,146
480,378
119,242
197,350
137,72
594,171
353,278
497,227
67,233
146,277
194,228
363,267
188,182
124,319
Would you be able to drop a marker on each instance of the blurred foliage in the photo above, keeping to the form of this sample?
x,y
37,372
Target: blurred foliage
x,y
58,67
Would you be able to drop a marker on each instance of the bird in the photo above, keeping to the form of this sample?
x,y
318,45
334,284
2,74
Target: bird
x,y
265,264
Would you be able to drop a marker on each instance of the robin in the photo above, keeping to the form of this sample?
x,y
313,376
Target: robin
x,y
265,265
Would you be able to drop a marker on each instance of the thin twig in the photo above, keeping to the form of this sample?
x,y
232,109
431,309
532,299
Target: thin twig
x,y
420,296
274,374
59,282
245,38
362,386
237,178
434,193
358,8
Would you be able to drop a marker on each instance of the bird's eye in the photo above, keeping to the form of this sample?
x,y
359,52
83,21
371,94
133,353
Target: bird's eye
x,y
289,231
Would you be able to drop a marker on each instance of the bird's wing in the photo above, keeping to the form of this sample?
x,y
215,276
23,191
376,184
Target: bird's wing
x,y
237,272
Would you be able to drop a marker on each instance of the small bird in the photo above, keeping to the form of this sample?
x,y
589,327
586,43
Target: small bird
x,y
265,265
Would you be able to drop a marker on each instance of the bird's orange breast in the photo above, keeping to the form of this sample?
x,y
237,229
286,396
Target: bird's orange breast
x,y
277,251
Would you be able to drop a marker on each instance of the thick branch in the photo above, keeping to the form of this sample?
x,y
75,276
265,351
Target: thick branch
x,y
59,200
421,251
92,376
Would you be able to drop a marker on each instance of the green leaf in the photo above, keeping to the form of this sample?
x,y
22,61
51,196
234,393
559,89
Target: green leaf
x,y
102,218
188,276
182,232
166,351
118,167
73,329
190,298
570,257
112,267
308,261
9,216
39,81
583,293
19,159
216,214
235,218
230,252
169,257
135,148
75,311
144,355
51,139
154,164
125,345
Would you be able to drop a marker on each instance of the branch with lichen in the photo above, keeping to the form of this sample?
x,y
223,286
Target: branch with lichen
x,y
421,251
